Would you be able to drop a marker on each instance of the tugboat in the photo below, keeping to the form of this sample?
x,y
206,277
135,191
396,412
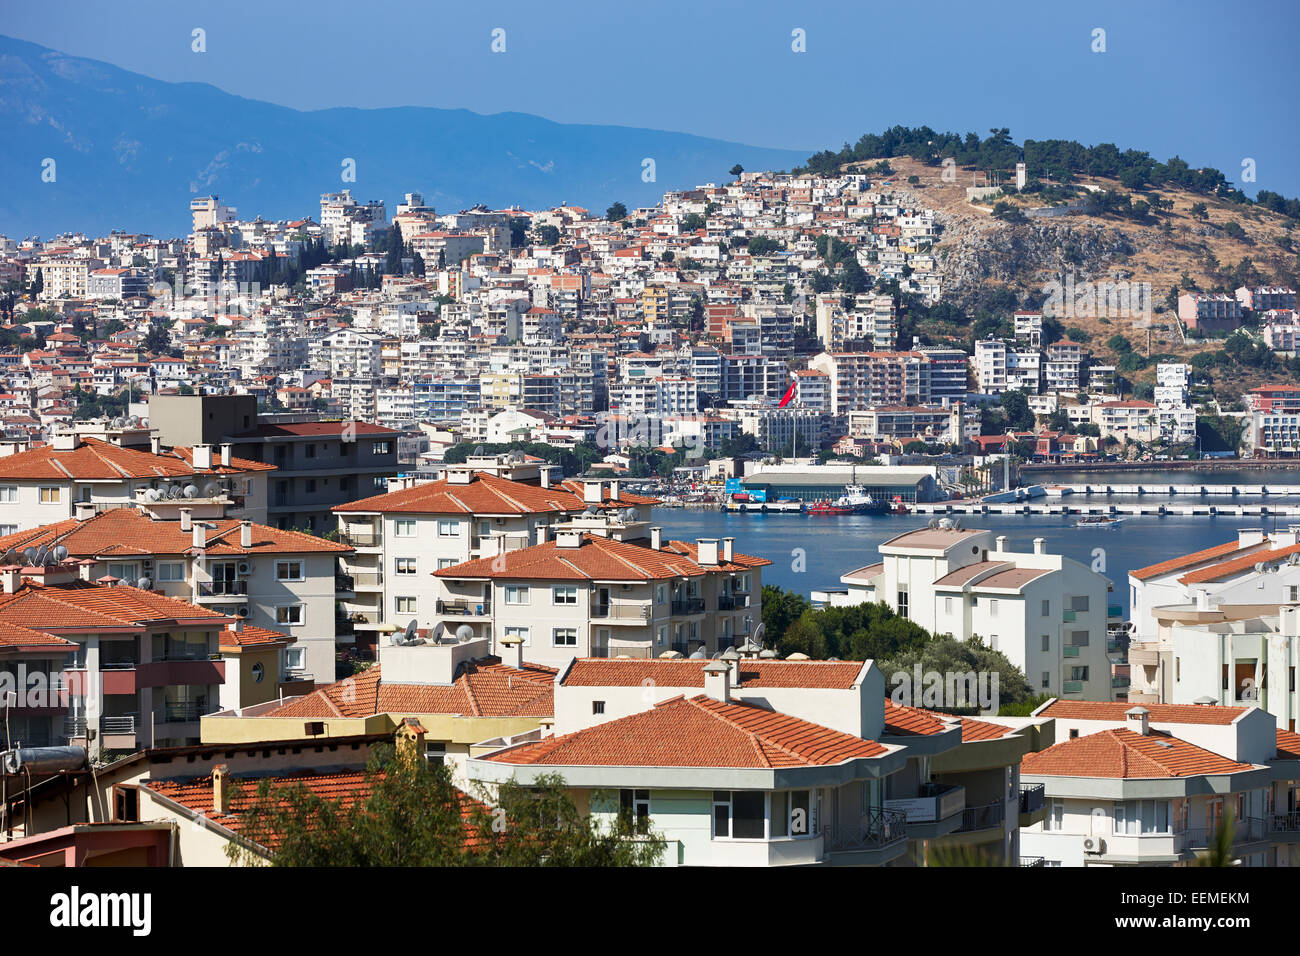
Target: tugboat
x,y
824,508
856,498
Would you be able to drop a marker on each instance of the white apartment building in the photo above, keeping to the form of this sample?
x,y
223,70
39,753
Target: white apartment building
x,y
1045,612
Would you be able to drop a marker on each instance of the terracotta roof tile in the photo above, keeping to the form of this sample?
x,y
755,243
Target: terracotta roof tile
x,y
486,494
612,672
1183,561
1159,713
1124,754
80,605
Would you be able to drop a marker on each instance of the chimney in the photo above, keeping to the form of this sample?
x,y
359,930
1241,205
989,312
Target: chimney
x,y
512,651
707,551
66,441
221,789
1001,541
728,549
11,576
592,492
613,490
155,444
85,568
545,474
409,742
245,533
83,510
202,457
539,534
1040,546
225,455
717,681
1138,720
200,535
186,523
657,538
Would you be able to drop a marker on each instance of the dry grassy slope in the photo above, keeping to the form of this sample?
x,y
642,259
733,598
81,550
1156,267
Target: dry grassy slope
x,y
1158,258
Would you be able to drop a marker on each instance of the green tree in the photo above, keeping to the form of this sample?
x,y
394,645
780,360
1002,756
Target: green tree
x,y
616,213
736,170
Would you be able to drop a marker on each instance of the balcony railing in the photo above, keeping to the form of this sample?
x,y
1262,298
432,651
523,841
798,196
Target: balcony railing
x,y
621,612
1245,830
1072,687
876,830
344,582
1070,651
74,726
1032,797
365,579
986,817
732,602
463,606
1032,861
688,606
181,713
361,538
1285,822
223,588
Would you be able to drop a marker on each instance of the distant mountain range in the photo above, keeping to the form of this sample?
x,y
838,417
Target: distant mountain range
x,y
130,152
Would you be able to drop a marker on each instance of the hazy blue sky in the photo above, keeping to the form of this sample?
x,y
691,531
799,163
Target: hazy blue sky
x,y
1213,82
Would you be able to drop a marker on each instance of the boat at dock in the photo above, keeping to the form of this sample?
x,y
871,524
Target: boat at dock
x,y
1097,521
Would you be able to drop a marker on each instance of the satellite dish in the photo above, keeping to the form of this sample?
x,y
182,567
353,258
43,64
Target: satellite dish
x,y
1293,559
759,631
698,654
409,636
464,633
175,491
39,557
153,494
191,491
932,524
29,555
1261,567
634,515
591,511
956,524
60,554
10,557
211,490
478,451
49,558
144,584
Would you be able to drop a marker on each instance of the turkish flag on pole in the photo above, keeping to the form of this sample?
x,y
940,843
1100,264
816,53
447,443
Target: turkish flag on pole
x,y
789,393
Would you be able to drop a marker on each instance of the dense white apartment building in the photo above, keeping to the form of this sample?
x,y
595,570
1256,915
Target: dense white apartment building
x,y
1045,612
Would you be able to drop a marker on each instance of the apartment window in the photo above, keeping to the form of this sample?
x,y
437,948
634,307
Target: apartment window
x,y
517,594
1136,817
1079,602
993,642
381,448
633,805
310,486
170,571
661,594
404,565
123,572
902,603
448,529
1047,608
564,637
445,563
484,528
947,605
993,607
49,496
1078,638
295,658
739,814
662,637
435,752
289,614
8,529
598,707
1293,593
404,605
404,528
564,594
791,813
523,633
8,493
1047,678
1047,643
1178,668
288,570
1055,819
311,451
1079,673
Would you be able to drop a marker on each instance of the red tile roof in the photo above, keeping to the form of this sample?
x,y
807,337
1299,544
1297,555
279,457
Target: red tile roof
x,y
1246,562
81,606
92,459
1159,713
250,636
696,732
1288,745
612,672
597,559
1124,754
126,531
483,688
14,637
1183,561
486,494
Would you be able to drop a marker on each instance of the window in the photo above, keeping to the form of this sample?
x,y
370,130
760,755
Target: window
x,y
448,529
170,571
310,486
564,637
1055,819
662,637
123,572
564,594
1079,602
661,594
634,805
404,528
993,642
993,607
791,813
8,529
517,594
1047,608
288,570
445,563
126,804
1047,678
8,493
404,565
1136,817
947,605
739,814
289,614
1078,638
381,448
295,658
1178,668
521,632
49,496
1079,673
902,603
435,752
597,706
311,451
484,528
1047,643
404,605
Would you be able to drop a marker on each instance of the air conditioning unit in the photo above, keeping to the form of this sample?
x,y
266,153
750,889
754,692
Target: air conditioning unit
x,y
147,567
241,611
1094,844
245,567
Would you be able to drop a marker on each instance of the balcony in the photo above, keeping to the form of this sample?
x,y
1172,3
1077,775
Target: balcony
x,y
362,538
1284,827
1070,651
682,606
1118,682
367,579
1245,830
1072,687
982,819
732,602
1027,861
632,613
180,713
880,836
1067,617
1033,803
935,811
219,589
464,607
344,584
